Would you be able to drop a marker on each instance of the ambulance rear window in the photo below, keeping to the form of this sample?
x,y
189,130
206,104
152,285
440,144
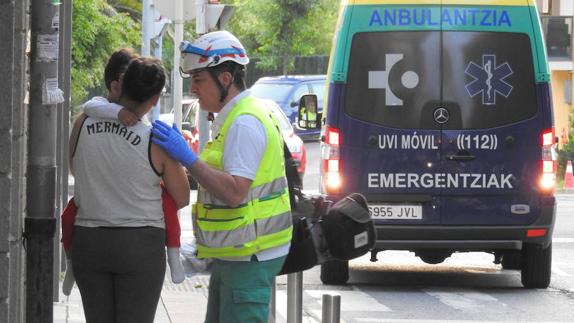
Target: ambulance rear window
x,y
399,79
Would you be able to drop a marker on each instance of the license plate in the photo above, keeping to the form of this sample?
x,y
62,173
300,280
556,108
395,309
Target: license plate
x,y
396,212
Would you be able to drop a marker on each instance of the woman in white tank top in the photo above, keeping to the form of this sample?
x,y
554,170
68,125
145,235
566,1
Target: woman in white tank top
x,y
119,235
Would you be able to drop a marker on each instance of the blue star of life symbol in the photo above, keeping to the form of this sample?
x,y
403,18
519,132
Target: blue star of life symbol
x,y
488,79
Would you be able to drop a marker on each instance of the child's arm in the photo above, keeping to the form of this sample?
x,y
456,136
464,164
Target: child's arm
x,y
172,226
68,219
100,107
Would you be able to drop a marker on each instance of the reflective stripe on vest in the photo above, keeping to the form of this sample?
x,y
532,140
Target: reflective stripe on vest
x,y
259,192
244,234
263,219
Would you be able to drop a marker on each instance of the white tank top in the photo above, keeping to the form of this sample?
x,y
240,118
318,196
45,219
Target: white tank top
x,y
115,182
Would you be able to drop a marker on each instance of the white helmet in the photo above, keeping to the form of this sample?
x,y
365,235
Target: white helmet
x,y
211,50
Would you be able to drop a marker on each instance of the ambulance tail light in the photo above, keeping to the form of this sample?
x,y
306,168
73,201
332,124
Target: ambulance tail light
x,y
535,233
547,182
330,162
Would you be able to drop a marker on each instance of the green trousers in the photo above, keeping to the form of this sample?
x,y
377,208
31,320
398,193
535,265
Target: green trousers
x,y
240,291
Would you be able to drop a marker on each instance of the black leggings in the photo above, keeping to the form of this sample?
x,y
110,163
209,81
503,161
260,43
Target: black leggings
x,y
119,272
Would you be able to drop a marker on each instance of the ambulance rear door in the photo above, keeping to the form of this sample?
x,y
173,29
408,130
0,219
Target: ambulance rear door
x,y
388,151
492,126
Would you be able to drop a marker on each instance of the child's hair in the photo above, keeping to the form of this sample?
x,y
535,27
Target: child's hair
x,y
144,78
117,65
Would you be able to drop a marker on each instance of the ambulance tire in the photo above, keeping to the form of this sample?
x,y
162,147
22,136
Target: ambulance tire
x,y
536,265
511,260
335,272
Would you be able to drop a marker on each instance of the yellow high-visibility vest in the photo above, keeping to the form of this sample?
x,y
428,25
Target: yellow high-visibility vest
x,y
263,219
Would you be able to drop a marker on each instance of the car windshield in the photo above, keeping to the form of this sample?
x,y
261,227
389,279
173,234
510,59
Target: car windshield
x,y
272,91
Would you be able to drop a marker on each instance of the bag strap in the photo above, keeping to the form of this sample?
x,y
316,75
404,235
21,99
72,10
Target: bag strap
x,y
294,182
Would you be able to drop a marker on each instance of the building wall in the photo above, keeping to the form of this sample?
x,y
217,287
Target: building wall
x,y
6,65
563,8
19,162
561,108
567,8
13,27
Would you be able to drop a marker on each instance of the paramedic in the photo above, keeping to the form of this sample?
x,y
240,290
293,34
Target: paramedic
x,y
242,219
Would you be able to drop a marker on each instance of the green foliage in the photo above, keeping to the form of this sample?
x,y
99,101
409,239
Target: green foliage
x,y
132,7
275,31
98,30
567,151
135,5
167,53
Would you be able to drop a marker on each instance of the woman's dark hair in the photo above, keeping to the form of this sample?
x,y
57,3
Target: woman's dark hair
x,y
237,70
144,78
117,65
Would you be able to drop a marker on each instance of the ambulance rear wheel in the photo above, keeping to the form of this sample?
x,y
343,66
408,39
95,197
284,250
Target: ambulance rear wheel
x,y
335,272
536,265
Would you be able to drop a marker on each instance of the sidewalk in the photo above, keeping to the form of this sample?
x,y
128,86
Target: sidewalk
x,y
185,302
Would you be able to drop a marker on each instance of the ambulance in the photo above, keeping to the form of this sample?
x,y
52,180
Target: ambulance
x,y
440,113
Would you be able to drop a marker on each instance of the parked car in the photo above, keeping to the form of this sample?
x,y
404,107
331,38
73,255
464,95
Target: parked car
x,y
293,141
286,92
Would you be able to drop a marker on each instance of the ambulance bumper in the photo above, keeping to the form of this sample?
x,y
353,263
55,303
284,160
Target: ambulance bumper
x,y
457,238
468,237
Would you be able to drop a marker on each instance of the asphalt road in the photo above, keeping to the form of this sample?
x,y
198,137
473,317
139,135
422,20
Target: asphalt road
x,y
467,287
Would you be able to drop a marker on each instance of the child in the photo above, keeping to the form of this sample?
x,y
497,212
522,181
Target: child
x,y
101,107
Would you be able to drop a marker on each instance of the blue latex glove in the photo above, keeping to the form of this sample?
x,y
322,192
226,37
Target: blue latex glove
x,y
171,140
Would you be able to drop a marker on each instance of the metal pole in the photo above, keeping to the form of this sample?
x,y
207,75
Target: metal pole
x,y
177,81
200,17
272,303
295,297
19,83
147,21
63,127
155,112
66,88
336,311
326,308
203,124
331,308
40,223
59,137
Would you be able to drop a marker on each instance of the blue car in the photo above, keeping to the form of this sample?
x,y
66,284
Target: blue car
x,y
286,92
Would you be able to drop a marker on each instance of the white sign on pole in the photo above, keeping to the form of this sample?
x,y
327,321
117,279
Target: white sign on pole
x,y
168,9
159,24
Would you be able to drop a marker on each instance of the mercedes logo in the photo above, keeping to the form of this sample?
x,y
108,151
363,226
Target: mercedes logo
x,y
441,115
